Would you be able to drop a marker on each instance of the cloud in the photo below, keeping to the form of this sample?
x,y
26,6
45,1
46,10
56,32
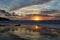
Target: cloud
x,y
46,5
54,13
55,4
50,11
15,4
5,13
25,3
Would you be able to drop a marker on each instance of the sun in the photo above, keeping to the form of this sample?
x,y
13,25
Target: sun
x,y
37,18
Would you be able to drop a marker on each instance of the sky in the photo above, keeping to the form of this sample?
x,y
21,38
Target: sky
x,y
15,4
42,5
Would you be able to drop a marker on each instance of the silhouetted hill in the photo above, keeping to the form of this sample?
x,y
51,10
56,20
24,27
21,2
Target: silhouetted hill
x,y
4,19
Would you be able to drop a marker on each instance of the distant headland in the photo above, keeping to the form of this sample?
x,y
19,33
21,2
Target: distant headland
x,y
4,19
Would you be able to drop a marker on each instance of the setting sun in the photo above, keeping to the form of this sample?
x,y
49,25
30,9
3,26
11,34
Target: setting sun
x,y
37,18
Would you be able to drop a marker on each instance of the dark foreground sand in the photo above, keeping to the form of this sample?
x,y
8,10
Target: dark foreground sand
x,y
8,36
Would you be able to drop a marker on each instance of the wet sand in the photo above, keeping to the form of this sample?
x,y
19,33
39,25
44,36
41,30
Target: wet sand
x,y
8,36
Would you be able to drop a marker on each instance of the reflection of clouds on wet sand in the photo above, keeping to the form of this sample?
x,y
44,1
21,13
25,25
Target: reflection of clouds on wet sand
x,y
21,32
7,36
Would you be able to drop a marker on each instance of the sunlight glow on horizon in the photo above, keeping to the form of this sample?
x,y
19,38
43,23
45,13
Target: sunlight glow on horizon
x,y
37,18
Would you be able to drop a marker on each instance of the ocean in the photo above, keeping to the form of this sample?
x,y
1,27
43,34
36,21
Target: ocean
x,y
20,30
